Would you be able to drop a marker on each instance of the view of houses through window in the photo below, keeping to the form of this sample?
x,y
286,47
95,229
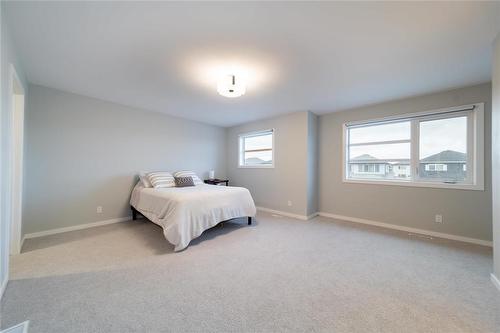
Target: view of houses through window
x,y
380,151
384,150
443,149
256,149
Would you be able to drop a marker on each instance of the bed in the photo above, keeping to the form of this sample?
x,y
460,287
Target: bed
x,y
185,212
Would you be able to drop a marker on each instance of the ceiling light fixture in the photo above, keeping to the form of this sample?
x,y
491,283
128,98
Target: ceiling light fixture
x,y
229,86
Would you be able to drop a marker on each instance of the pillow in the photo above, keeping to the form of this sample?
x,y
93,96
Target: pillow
x,y
161,179
184,181
186,173
144,180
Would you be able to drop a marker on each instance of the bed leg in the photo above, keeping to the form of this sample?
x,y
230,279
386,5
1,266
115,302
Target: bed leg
x,y
134,213
249,220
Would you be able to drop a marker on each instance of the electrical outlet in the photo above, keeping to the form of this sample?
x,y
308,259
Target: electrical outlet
x,y
99,210
438,218
289,203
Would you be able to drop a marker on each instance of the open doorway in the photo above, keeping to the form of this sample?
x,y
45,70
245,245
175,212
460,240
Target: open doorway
x,y
16,160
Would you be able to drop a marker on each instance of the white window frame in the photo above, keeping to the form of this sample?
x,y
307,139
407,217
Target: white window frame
x,y
241,149
475,147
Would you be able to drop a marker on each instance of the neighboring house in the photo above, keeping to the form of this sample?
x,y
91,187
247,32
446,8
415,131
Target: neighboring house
x,y
367,166
446,165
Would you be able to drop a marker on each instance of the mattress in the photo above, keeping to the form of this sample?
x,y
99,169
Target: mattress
x,y
185,212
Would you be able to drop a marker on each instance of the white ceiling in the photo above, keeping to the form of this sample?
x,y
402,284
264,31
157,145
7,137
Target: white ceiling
x,y
318,56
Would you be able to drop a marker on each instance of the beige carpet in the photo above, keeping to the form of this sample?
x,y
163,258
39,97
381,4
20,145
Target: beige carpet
x,y
280,274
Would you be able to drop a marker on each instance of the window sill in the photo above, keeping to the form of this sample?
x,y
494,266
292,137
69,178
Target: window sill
x,y
473,187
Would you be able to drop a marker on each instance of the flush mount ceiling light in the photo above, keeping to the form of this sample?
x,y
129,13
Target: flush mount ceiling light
x,y
231,86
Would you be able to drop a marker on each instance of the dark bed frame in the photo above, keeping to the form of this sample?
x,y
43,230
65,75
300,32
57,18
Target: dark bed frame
x,y
135,212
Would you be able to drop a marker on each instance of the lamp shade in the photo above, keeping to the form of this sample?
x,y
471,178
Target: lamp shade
x,y
231,86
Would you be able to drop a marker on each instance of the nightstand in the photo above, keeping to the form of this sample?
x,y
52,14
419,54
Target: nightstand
x,y
216,181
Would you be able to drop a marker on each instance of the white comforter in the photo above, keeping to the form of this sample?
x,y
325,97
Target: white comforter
x,y
185,212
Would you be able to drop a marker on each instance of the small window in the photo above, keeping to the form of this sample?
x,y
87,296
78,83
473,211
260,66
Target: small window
x,y
256,149
443,148
436,167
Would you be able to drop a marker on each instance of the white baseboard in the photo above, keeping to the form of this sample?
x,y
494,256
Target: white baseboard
x,y
4,285
495,280
408,229
279,212
76,227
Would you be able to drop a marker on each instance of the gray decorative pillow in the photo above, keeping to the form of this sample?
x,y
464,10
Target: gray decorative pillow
x,y
183,181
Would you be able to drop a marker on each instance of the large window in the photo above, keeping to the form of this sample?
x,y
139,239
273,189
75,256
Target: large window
x,y
442,148
256,149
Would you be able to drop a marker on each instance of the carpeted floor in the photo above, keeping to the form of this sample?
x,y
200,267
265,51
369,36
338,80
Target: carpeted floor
x,y
280,274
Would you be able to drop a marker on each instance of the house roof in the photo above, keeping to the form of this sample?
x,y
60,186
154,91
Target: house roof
x,y
363,157
256,160
446,156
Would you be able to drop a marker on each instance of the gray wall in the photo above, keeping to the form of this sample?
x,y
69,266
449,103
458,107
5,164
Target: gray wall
x,y
83,153
8,57
465,213
273,187
496,155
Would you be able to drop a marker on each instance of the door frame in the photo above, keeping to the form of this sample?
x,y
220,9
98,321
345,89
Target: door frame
x,y
17,110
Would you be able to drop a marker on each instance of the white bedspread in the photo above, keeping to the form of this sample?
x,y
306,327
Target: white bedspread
x,y
185,212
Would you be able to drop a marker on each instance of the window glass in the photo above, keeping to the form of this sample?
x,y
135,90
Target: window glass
x,y
256,149
443,149
259,158
264,141
380,132
380,161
